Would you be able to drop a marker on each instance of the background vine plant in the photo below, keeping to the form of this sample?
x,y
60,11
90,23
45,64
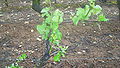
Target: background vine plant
x,y
88,11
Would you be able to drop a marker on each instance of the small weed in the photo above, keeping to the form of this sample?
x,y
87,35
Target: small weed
x,y
19,59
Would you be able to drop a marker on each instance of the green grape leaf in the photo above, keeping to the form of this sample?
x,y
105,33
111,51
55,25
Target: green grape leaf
x,y
56,42
87,8
81,15
54,26
97,9
55,19
75,20
58,34
60,19
80,11
57,57
63,55
54,37
51,39
87,13
63,49
101,17
41,29
58,13
46,33
45,10
14,65
92,3
22,57
48,19
45,14
57,16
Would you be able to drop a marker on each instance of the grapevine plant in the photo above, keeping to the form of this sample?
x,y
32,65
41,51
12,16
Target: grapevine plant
x,y
49,28
88,11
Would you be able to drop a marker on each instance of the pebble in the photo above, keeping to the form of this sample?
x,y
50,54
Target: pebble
x,y
26,22
14,28
32,61
43,2
111,40
94,42
32,30
7,32
21,42
54,63
24,2
20,45
20,51
62,1
15,13
12,14
79,52
80,0
1,25
21,19
39,36
68,6
1,15
4,44
83,51
36,49
85,64
115,13
15,50
110,36
68,33
83,24
86,47
103,61
39,39
30,2
94,31
28,18
28,15
28,40
109,51
30,51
